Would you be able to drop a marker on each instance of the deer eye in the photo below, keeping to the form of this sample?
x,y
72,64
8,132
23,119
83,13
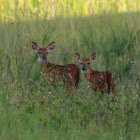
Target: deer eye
x,y
39,52
88,63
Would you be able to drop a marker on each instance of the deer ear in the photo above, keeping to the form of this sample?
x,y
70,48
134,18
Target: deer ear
x,y
92,57
78,57
35,46
50,47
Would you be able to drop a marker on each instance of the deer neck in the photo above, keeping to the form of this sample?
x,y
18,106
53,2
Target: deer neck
x,y
88,74
44,65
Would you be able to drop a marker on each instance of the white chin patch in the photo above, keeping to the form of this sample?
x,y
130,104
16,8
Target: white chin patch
x,y
40,60
84,71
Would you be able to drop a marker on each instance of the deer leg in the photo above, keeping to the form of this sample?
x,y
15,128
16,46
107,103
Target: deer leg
x,y
102,89
113,92
68,86
102,92
108,90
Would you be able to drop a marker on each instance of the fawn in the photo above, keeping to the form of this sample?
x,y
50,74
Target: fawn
x,y
69,74
97,80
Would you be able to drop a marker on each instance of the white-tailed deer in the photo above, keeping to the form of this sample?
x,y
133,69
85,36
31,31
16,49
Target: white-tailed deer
x,y
69,74
97,80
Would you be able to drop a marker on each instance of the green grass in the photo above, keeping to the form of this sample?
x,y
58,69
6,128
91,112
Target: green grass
x,y
29,111
26,9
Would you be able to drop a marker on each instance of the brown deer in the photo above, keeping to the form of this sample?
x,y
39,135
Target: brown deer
x,y
69,74
97,80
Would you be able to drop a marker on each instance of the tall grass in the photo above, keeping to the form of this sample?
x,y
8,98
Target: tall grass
x,y
25,9
29,109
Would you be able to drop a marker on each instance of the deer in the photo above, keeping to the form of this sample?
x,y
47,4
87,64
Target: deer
x,y
68,74
97,80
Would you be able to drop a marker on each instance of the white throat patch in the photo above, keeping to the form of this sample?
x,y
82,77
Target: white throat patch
x,y
84,72
40,60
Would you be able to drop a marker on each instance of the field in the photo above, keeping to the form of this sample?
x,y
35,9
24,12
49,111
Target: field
x,y
31,110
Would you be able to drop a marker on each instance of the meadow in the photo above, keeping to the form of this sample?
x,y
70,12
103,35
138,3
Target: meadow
x,y
31,110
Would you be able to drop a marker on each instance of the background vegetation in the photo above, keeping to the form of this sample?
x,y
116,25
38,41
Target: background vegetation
x,y
26,9
31,110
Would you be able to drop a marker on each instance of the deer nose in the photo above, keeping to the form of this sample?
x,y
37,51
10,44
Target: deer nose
x,y
83,69
44,57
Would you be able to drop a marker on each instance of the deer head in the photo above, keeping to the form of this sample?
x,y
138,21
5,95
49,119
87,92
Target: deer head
x,y
85,63
42,52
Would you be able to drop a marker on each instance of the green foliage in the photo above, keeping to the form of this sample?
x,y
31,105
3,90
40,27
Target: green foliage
x,y
13,10
29,109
